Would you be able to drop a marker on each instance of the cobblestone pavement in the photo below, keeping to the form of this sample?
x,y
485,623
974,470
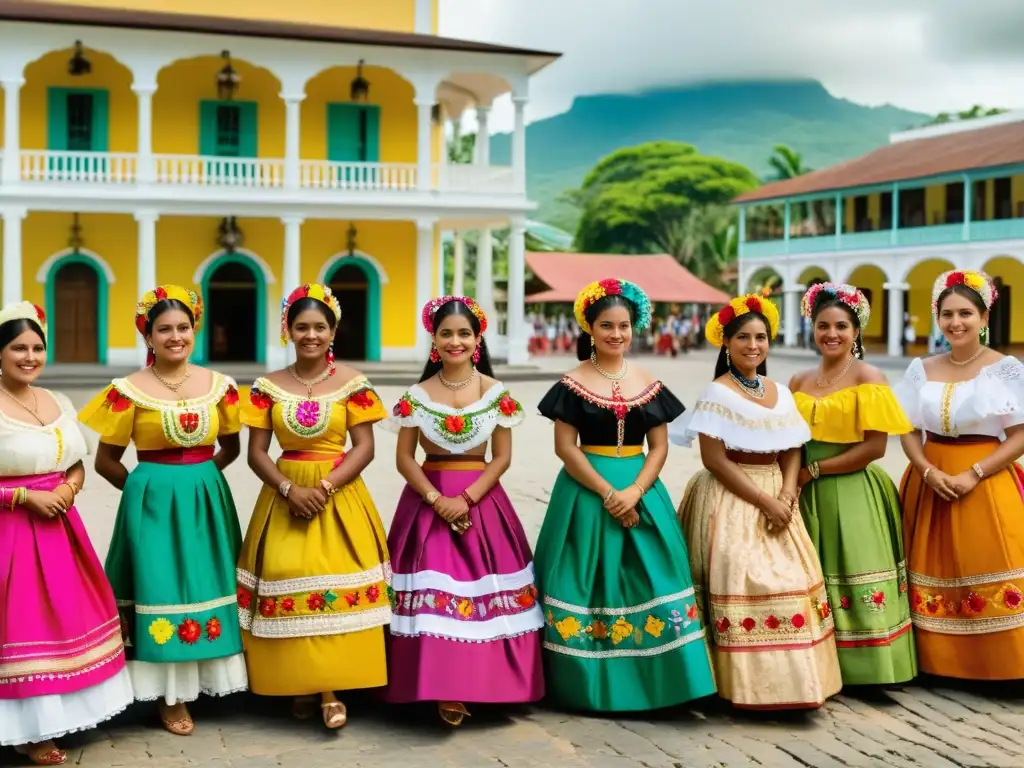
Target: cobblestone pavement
x,y
930,723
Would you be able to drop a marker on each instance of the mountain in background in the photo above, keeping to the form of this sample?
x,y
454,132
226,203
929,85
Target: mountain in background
x,y
739,121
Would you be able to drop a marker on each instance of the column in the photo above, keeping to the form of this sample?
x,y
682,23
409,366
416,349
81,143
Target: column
x,y
791,319
292,133
459,266
519,145
291,270
894,234
968,206
146,168
839,220
485,276
517,334
424,159
12,131
12,255
483,136
145,268
424,259
897,293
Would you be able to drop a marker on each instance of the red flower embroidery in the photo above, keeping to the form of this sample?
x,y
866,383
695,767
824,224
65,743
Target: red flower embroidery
x,y
723,624
244,598
526,598
231,396
748,624
260,399
1012,598
726,315
189,631
824,611
213,629
455,424
915,598
903,587
441,601
189,422
362,399
117,401
352,598
288,604
508,406
372,593
844,603
267,606
933,605
403,408
975,602
798,620
691,611
315,602
878,598
771,622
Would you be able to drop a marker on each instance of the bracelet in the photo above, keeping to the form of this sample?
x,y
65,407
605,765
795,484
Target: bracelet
x,y
432,497
609,494
285,488
926,473
640,488
978,471
468,499
328,486
20,497
814,470
71,487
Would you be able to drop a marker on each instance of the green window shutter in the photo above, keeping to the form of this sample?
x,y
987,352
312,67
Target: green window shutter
x,y
100,121
208,128
343,133
372,133
57,119
248,128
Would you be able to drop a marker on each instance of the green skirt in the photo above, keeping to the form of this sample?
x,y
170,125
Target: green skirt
x,y
854,522
622,631
172,564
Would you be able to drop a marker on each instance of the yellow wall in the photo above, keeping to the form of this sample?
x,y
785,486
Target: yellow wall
x,y
394,15
869,278
935,205
51,71
2,99
1012,273
919,297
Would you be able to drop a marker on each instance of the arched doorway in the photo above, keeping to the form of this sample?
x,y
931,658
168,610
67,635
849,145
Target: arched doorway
x,y
356,284
231,293
75,291
1006,318
871,280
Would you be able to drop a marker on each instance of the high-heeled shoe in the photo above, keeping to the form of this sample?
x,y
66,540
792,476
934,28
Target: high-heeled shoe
x,y
335,714
45,753
452,712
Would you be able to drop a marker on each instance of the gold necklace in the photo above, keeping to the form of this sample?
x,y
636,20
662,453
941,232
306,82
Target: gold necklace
x,y
621,374
310,383
34,410
834,379
174,386
456,385
969,360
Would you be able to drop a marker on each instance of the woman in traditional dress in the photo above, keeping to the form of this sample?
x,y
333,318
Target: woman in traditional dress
x,y
466,624
962,509
176,537
850,506
62,665
761,584
314,576
622,631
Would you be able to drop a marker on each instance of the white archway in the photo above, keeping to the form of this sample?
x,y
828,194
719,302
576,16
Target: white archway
x,y
257,260
339,258
43,273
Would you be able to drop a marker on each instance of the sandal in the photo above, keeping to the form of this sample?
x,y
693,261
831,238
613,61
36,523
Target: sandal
x,y
45,753
335,714
452,712
303,707
182,726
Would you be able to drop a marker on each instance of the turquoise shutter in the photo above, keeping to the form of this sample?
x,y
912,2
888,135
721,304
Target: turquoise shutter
x,y
57,119
372,133
208,128
100,121
342,133
248,129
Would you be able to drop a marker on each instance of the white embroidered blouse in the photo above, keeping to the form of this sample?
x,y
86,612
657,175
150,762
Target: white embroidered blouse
x,y
456,430
31,449
742,424
985,405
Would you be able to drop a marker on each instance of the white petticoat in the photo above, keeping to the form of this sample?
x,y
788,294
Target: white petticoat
x,y
41,718
184,681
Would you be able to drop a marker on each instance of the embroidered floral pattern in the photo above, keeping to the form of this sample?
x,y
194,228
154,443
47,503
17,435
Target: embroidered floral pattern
x,y
186,423
230,396
161,630
185,428
312,603
483,608
213,629
453,428
189,631
772,620
311,417
260,399
362,400
966,609
117,401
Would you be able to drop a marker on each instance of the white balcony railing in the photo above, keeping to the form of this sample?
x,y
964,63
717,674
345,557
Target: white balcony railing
x,y
323,174
219,171
492,179
84,167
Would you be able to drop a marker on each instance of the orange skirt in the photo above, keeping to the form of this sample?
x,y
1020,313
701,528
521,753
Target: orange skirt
x,y
966,564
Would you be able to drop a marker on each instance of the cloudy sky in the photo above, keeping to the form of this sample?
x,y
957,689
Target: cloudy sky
x,y
928,55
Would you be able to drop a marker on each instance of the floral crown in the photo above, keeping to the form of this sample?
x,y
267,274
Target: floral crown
x,y
24,310
742,305
151,298
852,297
431,307
611,286
978,282
317,291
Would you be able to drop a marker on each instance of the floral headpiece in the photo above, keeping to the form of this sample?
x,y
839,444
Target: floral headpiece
x,y
24,310
978,282
151,298
714,332
611,286
317,291
852,297
431,307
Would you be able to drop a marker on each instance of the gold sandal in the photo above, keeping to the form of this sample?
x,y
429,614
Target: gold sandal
x,y
452,712
39,754
335,714
183,726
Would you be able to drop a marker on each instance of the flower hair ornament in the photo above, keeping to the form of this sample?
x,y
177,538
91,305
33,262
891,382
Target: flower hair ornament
x,y
852,297
979,282
318,292
742,305
430,309
611,286
151,298
24,310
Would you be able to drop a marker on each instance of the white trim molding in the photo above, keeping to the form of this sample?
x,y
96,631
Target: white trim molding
x,y
332,262
43,273
204,265
399,355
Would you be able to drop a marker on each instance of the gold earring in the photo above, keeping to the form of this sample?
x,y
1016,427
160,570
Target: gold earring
x,y
728,360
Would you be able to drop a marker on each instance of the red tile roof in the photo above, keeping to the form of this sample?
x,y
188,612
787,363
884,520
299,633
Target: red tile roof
x,y
660,276
907,160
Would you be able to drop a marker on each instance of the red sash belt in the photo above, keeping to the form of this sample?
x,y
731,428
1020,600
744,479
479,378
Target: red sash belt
x,y
178,455
312,456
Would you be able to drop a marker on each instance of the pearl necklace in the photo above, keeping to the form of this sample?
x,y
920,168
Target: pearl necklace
x,y
621,374
456,385
969,360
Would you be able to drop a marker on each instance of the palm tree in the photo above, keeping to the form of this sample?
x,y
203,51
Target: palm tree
x,y
787,163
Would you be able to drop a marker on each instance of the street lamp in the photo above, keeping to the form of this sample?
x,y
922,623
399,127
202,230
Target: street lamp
x,y
78,65
227,78
352,239
75,241
360,89
230,237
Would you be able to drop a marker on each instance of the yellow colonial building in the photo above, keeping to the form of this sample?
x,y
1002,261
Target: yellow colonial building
x,y
936,198
244,154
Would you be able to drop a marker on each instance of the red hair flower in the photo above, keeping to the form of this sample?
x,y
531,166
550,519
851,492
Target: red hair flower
x,y
160,294
955,278
753,304
726,315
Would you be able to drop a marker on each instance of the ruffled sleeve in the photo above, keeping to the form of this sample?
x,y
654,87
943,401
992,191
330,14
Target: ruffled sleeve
x,y
908,393
255,407
509,411
364,407
878,410
228,410
562,404
403,414
663,408
111,414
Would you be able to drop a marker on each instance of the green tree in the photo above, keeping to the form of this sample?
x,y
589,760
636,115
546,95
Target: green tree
x,y
642,198
787,163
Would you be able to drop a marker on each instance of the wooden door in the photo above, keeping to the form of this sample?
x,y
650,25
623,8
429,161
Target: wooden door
x,y
76,315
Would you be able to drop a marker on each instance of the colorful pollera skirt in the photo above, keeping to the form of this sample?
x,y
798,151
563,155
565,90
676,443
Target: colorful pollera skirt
x,y
466,624
62,664
172,566
966,563
622,631
313,594
853,521
764,596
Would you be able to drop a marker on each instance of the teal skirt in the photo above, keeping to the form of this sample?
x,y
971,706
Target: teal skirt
x,y
855,523
622,631
172,564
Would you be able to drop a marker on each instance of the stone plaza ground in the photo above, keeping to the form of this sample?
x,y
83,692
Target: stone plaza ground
x,y
928,723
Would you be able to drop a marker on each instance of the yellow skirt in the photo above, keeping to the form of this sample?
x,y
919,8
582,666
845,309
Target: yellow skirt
x,y
966,563
314,595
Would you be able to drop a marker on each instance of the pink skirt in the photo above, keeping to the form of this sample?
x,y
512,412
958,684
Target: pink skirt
x,y
59,629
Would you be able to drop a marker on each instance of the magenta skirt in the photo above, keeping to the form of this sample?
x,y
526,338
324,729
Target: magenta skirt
x,y
466,623
59,630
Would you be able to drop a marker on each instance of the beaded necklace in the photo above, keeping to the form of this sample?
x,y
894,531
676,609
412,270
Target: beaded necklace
x,y
619,407
753,387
